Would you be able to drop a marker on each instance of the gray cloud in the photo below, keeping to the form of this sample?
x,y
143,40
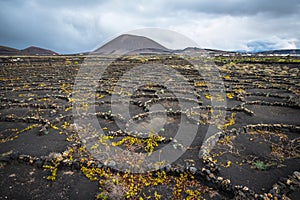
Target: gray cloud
x,y
78,25
240,7
274,43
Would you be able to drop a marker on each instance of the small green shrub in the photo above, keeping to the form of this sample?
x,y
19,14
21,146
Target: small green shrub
x,y
260,165
68,62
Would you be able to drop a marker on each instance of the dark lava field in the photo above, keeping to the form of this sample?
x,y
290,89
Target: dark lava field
x,y
238,119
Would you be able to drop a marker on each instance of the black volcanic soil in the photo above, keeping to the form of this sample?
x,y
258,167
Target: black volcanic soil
x,y
256,154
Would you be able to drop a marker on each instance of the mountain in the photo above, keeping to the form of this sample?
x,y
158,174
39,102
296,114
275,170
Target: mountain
x,y
37,51
190,51
8,51
283,51
195,51
146,51
126,44
200,51
28,51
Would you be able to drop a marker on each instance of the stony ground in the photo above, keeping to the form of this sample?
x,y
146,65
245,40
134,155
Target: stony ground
x,y
43,154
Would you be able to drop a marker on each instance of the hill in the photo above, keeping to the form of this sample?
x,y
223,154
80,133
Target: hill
x,y
4,50
9,51
32,50
127,43
283,51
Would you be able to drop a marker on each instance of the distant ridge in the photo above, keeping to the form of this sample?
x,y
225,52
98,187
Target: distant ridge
x,y
283,51
133,44
126,44
32,50
9,51
196,50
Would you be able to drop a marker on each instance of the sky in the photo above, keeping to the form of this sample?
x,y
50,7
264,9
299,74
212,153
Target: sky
x,y
73,26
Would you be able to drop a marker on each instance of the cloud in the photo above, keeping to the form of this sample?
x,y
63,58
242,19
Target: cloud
x,y
275,43
239,7
167,38
78,25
